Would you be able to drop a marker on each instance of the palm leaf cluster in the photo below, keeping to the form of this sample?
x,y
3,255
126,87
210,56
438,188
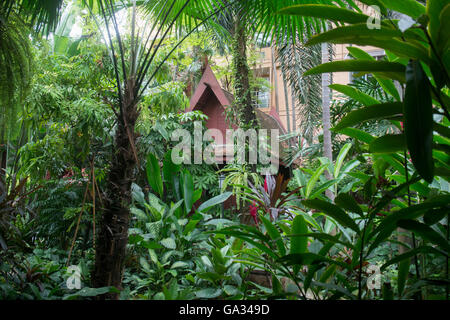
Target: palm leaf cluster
x,y
295,59
15,70
43,15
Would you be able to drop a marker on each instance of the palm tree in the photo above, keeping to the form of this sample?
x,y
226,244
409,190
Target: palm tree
x,y
295,59
133,78
134,73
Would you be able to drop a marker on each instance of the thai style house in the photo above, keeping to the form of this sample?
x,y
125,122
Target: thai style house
x,y
212,100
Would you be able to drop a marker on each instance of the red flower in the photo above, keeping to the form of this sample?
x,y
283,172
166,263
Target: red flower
x,y
254,212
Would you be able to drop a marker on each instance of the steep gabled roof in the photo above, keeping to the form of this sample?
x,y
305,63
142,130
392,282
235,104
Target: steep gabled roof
x,y
207,85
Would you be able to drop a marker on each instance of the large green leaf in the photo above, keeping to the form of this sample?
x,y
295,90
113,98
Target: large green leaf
x,y
205,206
309,259
387,84
418,124
434,9
298,244
355,94
411,8
324,237
443,39
340,159
357,30
313,180
394,70
321,188
188,191
169,243
170,170
90,292
409,254
425,232
403,270
274,234
327,12
154,174
357,134
388,144
348,202
333,211
412,50
374,112
209,293
434,216
389,223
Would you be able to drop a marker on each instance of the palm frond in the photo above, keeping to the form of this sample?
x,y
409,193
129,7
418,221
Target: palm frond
x,y
43,15
295,60
262,18
16,60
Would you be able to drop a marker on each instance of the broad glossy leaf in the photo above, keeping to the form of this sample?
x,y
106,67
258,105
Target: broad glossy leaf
x,y
434,216
169,243
374,112
412,8
356,30
389,223
327,12
418,124
170,170
387,84
340,159
274,234
209,293
392,70
313,180
434,9
298,244
333,211
90,292
324,237
409,254
443,39
403,270
309,259
389,143
346,201
355,94
188,190
426,232
154,174
357,134
205,206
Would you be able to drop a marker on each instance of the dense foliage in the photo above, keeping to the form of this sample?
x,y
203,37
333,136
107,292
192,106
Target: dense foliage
x,y
384,233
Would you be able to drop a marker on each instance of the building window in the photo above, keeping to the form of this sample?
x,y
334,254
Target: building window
x,y
262,99
261,96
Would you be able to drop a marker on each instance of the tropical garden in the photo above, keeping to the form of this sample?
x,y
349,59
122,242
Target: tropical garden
x,y
92,205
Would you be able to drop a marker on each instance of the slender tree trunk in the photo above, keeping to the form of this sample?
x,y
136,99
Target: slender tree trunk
x,y
286,98
327,145
3,156
275,78
294,111
113,234
242,90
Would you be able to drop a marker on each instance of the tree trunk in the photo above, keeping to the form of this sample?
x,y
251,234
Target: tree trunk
x,y
275,78
241,72
113,234
286,98
3,157
327,145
